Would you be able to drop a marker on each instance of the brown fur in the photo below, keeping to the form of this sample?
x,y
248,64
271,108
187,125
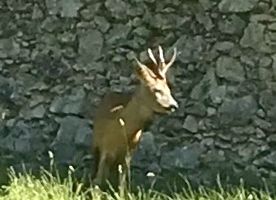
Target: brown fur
x,y
120,118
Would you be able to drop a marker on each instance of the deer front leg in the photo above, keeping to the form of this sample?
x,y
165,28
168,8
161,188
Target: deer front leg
x,y
124,173
127,171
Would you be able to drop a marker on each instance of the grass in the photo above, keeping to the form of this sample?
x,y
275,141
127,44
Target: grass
x,y
45,187
49,186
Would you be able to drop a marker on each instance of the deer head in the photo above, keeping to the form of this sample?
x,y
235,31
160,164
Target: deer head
x,y
154,89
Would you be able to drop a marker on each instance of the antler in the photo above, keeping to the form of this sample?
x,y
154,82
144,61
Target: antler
x,y
161,56
165,67
156,67
160,68
162,65
152,56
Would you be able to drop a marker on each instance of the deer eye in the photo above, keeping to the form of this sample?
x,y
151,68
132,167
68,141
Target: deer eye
x,y
158,93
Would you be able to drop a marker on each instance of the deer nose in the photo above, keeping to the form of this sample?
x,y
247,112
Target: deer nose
x,y
174,107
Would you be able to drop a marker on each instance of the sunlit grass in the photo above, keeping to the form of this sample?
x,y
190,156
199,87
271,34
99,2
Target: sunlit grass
x,y
45,187
49,186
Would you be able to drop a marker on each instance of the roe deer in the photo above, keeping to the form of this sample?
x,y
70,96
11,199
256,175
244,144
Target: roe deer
x,y
120,118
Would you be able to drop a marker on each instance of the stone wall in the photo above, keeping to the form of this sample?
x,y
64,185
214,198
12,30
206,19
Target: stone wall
x,y
58,58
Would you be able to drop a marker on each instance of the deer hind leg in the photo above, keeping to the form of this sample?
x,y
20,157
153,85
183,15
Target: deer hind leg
x,y
103,170
96,153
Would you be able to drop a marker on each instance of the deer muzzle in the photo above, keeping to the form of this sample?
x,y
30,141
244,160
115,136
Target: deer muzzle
x,y
173,105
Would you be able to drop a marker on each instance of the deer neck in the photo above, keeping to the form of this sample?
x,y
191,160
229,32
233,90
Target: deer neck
x,y
136,113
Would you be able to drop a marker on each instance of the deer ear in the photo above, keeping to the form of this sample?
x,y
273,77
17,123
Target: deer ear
x,y
143,72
